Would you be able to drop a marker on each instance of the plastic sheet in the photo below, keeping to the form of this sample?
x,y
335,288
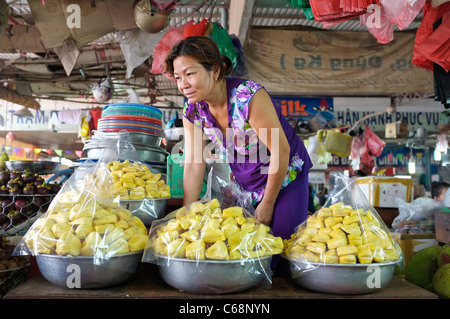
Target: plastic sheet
x,y
346,230
204,232
421,209
84,219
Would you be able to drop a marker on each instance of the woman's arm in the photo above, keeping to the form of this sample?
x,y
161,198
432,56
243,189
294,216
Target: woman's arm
x,y
194,163
263,117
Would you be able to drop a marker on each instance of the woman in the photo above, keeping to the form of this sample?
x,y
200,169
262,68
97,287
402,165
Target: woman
x,y
240,118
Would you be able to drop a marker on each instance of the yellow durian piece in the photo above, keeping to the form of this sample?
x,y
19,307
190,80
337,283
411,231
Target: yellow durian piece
x,y
323,238
196,250
109,219
59,229
314,222
229,229
137,242
211,235
104,228
310,256
330,221
337,242
346,250
129,232
177,248
68,244
317,248
234,211
347,259
337,233
355,240
352,229
119,246
121,224
217,251
83,230
190,235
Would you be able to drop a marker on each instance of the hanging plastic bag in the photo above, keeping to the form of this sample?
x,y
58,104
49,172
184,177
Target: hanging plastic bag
x,y
84,220
402,12
378,24
164,46
374,143
196,29
197,240
221,37
436,48
429,16
346,230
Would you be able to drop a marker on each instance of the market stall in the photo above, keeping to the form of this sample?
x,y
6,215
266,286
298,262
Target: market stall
x,y
119,217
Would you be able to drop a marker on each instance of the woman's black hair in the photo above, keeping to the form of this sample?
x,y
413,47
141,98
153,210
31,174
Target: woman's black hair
x,y
205,50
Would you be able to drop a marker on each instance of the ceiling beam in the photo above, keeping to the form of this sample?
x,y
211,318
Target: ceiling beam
x,y
240,18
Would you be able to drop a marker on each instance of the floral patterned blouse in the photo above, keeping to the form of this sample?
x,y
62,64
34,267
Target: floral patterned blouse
x,y
247,156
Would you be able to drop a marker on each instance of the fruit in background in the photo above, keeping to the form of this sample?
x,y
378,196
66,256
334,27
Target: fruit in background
x,y
441,282
422,266
15,174
4,176
444,256
3,158
28,177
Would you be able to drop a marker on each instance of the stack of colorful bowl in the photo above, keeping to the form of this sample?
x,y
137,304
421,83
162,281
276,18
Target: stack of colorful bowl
x,y
130,117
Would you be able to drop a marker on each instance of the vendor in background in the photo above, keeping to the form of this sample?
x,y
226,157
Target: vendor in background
x,y
240,117
438,190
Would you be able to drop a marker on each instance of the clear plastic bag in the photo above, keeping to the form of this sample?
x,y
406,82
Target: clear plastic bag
x,y
204,235
84,219
410,215
346,230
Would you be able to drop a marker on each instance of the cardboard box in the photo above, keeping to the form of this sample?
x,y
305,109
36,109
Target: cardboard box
x,y
396,130
381,191
413,243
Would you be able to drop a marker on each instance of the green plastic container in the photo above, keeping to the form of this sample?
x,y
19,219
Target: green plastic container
x,y
175,169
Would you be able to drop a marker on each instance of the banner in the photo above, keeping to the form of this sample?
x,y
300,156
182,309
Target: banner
x,y
334,62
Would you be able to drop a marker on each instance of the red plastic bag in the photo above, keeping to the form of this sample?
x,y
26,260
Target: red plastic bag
x,y
162,49
196,29
429,16
378,24
374,143
436,47
330,12
402,12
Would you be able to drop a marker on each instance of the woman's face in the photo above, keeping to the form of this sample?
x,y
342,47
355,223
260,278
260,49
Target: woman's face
x,y
194,81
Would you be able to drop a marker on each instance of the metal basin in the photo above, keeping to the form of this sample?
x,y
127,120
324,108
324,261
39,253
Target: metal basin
x,y
141,153
135,137
174,134
63,270
213,276
146,209
35,167
342,278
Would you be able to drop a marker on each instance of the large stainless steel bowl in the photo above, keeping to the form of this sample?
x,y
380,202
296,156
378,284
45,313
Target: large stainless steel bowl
x,y
35,167
213,276
135,137
141,153
147,210
342,278
68,271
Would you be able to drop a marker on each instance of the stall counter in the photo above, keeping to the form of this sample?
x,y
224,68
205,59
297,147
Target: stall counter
x,y
147,284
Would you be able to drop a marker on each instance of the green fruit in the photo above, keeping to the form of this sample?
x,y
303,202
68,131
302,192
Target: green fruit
x,y
422,266
444,256
441,282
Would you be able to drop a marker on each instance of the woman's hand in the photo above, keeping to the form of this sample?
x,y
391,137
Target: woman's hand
x,y
264,213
